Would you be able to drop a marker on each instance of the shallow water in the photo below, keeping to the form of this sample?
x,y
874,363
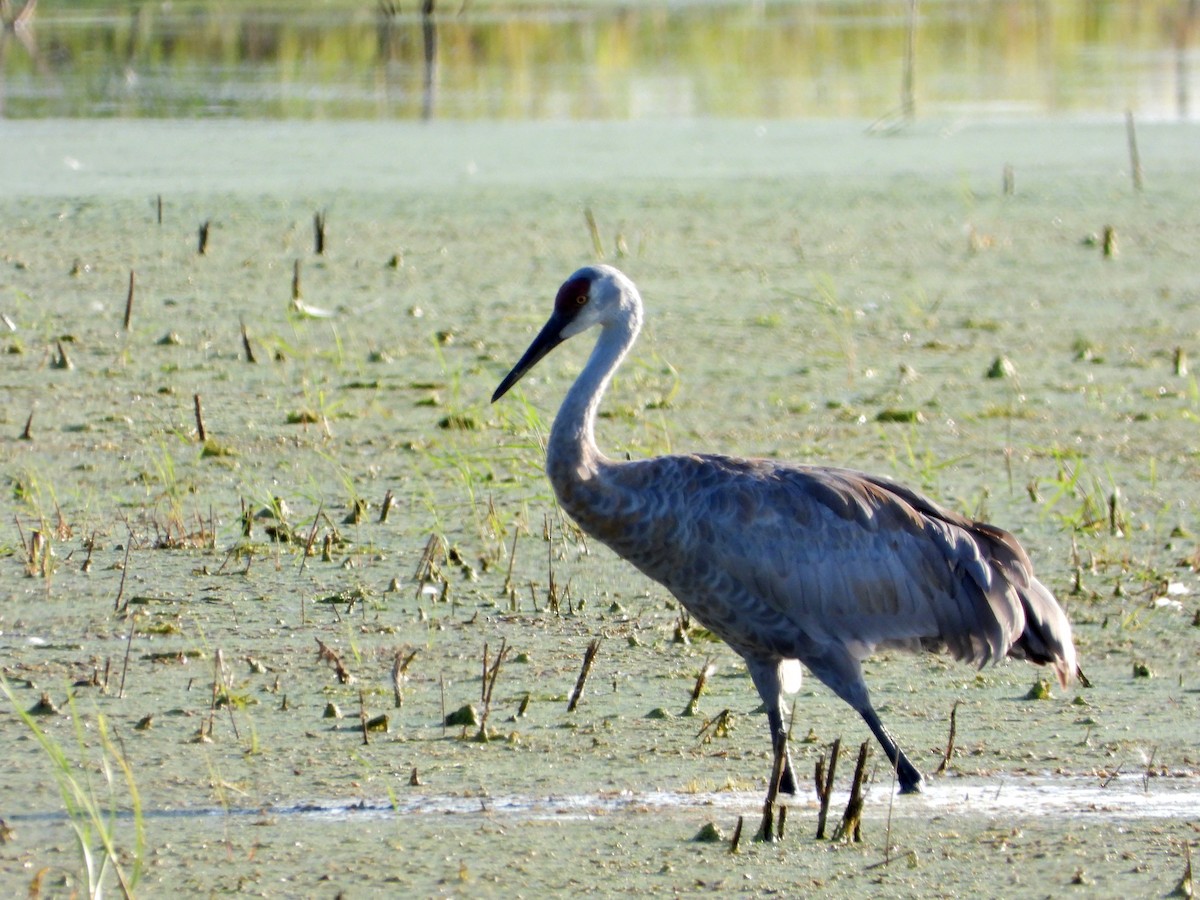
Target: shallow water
x,y
789,271
600,60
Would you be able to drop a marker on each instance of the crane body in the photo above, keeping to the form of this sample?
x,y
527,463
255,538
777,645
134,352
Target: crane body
x,y
785,562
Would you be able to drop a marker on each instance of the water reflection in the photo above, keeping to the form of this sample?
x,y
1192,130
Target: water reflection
x,y
840,58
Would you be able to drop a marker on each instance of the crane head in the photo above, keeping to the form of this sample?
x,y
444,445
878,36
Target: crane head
x,y
585,299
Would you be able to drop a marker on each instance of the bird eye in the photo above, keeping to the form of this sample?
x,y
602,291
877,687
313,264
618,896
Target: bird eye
x,y
581,300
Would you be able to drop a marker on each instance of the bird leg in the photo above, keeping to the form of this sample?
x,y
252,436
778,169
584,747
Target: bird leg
x,y
766,678
841,672
910,778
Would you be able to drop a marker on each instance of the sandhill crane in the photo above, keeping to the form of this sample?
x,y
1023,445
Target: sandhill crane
x,y
788,562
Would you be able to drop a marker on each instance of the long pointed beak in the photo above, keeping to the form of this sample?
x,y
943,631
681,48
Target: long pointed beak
x,y
548,338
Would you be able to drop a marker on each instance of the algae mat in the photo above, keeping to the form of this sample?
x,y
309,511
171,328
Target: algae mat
x,y
200,612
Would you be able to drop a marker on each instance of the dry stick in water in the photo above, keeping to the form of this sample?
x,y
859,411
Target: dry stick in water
x,y
219,677
91,546
597,244
296,280
1135,162
249,351
202,247
312,536
442,692
62,361
489,684
159,205
737,835
907,104
509,590
825,785
386,506
589,657
128,647
124,571
362,715
200,432
399,666
1108,243
27,433
701,681
851,824
766,831
319,232
129,300
950,740
326,654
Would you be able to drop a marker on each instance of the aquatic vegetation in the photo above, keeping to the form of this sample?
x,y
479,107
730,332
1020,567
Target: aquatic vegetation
x,y
93,814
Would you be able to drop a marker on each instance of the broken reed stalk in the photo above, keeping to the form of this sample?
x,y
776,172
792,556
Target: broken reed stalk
x,y
362,715
125,665
766,831
489,684
296,294
319,232
27,432
887,831
312,536
551,584
442,694
1185,888
1008,180
62,361
327,654
1108,244
907,103
117,608
202,244
159,207
589,657
129,300
399,666
386,506
219,673
851,824
824,780
509,590
698,689
594,231
200,432
246,348
1135,162
427,568
90,546
737,835
950,740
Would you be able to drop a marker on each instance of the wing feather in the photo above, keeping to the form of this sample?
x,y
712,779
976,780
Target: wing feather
x,y
840,556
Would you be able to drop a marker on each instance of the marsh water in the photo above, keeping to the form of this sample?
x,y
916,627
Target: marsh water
x,y
930,300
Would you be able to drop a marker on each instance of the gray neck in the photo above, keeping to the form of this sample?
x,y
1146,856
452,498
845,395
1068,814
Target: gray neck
x,y
572,455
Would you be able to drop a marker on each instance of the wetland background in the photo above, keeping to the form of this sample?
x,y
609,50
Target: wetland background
x,y
827,280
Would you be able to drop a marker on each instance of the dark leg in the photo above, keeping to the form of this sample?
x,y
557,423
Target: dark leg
x,y
911,780
843,675
766,678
